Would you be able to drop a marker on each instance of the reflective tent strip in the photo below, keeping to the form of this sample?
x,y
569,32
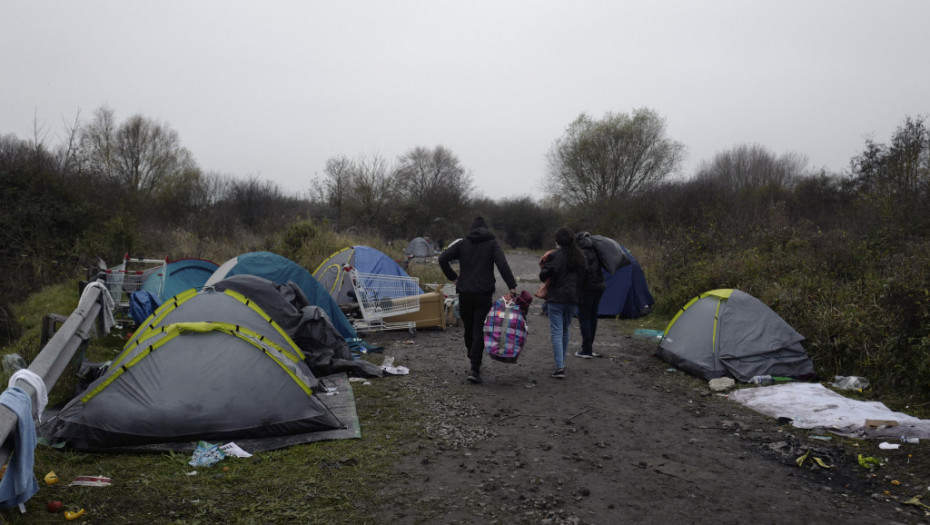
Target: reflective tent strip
x,y
118,371
326,260
298,354
716,326
683,308
151,328
268,347
720,293
329,265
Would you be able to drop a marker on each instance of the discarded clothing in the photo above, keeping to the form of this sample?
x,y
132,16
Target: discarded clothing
x,y
37,384
108,304
19,482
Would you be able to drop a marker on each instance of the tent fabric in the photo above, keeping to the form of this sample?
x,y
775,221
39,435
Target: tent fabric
x,y
335,280
281,270
141,305
179,275
325,350
340,401
626,294
610,253
728,332
419,247
204,366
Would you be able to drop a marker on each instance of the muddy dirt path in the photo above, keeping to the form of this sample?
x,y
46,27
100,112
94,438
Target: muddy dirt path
x,y
622,439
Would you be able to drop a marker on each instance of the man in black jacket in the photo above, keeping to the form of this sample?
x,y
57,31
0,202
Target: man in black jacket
x,y
591,290
478,252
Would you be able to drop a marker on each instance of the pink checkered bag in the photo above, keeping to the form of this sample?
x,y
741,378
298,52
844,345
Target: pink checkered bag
x,y
505,330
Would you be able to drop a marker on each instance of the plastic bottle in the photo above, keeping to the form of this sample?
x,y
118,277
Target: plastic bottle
x,y
761,380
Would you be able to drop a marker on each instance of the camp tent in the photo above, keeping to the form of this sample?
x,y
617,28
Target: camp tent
x,y
627,294
729,332
326,351
281,270
205,366
332,273
419,247
178,276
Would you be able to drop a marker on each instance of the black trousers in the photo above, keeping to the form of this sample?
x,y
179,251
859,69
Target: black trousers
x,y
587,319
473,308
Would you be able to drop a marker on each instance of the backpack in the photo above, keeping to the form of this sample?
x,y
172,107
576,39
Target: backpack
x,y
505,330
610,253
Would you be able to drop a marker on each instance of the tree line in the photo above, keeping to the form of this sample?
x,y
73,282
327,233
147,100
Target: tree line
x,y
825,249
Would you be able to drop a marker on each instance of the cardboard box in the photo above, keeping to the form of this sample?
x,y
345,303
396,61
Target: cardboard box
x,y
432,312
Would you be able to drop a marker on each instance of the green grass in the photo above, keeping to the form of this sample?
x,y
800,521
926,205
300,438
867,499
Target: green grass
x,y
331,482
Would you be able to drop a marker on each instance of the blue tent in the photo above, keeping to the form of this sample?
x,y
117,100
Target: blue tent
x,y
331,273
178,276
627,294
281,270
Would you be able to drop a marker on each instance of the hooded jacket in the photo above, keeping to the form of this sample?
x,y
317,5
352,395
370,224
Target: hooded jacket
x,y
563,280
478,252
593,280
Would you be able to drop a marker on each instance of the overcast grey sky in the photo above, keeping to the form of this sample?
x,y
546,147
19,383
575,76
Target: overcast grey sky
x,y
273,89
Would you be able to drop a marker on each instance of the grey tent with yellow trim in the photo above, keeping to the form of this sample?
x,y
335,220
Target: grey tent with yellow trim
x,y
204,366
728,332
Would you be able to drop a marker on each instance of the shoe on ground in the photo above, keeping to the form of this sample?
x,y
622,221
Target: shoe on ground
x,y
587,356
559,374
474,376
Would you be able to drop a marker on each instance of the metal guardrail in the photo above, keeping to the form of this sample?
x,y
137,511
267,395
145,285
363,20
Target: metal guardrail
x,y
54,358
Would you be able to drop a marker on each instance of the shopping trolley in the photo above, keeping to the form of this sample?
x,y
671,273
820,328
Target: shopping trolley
x,y
126,278
380,296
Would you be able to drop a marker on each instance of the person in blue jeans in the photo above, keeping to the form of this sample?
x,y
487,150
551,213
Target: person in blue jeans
x,y
564,268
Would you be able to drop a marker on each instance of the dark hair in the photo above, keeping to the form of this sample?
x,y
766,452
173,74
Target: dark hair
x,y
565,238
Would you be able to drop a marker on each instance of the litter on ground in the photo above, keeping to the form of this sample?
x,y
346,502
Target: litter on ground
x,y
812,405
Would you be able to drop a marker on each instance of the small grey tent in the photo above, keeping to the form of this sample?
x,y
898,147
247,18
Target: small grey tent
x,y
419,247
729,332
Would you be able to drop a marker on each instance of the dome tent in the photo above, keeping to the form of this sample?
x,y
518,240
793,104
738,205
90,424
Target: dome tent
x,y
626,294
281,270
179,275
332,274
419,247
205,366
729,332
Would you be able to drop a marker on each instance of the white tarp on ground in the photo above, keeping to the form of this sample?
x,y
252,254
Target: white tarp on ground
x,y
812,405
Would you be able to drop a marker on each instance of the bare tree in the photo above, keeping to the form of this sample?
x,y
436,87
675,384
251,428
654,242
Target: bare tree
x,y
97,143
333,187
139,155
372,189
433,184
896,178
425,174
752,166
601,161
69,150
